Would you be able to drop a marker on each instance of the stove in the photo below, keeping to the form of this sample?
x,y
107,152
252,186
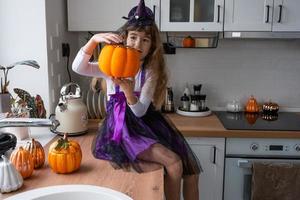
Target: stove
x,y
283,121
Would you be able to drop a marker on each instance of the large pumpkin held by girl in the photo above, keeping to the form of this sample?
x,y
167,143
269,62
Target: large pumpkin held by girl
x,y
119,61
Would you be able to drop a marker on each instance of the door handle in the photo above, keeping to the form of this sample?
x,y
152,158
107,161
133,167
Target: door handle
x,y
219,8
268,13
244,164
280,14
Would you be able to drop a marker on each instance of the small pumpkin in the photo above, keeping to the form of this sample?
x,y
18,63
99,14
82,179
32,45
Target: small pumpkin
x,y
188,41
22,160
37,152
119,61
64,155
270,108
252,105
10,178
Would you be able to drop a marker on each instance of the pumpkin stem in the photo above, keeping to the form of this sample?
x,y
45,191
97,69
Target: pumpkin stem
x,y
62,143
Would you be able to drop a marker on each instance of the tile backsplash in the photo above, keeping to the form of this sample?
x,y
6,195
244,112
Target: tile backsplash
x,y
269,69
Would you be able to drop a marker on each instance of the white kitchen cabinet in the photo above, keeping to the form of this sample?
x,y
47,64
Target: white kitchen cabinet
x,y
191,15
210,152
262,15
102,15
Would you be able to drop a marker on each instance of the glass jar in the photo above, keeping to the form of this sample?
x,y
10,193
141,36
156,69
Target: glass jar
x,y
194,104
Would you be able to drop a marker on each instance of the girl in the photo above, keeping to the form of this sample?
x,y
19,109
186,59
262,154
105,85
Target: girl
x,y
134,132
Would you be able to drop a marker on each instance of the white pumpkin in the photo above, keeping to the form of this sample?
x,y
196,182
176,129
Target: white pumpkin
x,y
10,178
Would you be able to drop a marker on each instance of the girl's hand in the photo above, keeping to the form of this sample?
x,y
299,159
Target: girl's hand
x,y
108,38
127,86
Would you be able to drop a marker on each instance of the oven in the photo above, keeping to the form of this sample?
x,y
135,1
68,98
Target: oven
x,y
242,152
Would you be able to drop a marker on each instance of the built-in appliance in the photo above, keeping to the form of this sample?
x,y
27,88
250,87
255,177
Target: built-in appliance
x,y
241,153
284,121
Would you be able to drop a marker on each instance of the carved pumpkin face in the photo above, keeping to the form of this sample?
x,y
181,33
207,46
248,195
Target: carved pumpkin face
x,y
119,61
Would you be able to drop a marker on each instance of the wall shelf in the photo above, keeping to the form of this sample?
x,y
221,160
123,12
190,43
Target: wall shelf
x,y
207,40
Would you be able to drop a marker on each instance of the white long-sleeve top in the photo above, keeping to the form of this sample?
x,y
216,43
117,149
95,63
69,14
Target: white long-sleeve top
x,y
81,65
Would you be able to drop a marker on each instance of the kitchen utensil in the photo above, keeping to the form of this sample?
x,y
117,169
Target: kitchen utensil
x,y
71,112
7,141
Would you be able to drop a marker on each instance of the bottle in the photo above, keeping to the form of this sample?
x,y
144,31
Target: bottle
x,y
194,104
185,102
169,103
187,90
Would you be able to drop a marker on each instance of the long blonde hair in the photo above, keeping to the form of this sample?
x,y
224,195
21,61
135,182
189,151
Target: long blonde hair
x,y
154,61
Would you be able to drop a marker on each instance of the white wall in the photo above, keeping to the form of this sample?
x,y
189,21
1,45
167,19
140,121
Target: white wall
x,y
23,37
36,29
57,33
268,69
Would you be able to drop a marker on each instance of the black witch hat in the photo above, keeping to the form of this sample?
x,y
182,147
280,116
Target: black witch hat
x,y
140,15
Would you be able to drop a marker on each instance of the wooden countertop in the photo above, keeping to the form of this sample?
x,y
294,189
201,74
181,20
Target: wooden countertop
x,y
97,172
211,126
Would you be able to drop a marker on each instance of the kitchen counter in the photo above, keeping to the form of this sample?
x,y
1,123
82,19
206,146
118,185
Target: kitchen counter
x,y
211,126
97,172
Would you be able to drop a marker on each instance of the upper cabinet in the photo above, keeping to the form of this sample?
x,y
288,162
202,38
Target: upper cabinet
x,y
102,15
262,15
191,15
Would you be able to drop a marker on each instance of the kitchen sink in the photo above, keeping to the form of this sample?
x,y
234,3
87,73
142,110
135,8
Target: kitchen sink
x,y
74,192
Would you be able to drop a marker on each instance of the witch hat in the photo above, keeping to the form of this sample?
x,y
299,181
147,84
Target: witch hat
x,y
140,15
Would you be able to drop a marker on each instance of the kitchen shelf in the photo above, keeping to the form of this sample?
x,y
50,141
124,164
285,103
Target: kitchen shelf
x,y
207,40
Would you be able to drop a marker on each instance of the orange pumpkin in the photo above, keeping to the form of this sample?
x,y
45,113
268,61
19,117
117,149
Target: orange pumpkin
x,y
119,61
22,160
64,156
188,42
37,152
252,105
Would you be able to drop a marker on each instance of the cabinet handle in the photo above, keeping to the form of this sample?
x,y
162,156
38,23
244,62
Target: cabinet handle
x,y
214,154
280,13
219,7
154,9
268,12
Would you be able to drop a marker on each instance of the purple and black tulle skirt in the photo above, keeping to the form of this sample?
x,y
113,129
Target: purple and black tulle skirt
x,y
122,136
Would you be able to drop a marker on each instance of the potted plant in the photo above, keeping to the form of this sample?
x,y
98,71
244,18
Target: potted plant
x,y
4,94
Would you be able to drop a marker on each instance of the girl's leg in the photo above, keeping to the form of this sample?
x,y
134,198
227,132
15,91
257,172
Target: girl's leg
x,y
190,187
171,161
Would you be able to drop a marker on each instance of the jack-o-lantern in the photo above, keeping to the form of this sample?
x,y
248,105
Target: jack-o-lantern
x,y
119,61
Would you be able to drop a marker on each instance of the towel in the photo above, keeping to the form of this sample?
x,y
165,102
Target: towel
x,y
275,181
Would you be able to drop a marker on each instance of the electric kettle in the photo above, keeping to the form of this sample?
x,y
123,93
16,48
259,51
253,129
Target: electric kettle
x,y
71,112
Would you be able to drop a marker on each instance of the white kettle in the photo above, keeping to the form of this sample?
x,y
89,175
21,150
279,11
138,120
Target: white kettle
x,y
71,112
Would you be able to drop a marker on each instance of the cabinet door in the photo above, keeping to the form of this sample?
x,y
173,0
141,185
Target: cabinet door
x,y
245,15
100,15
286,15
192,15
210,152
